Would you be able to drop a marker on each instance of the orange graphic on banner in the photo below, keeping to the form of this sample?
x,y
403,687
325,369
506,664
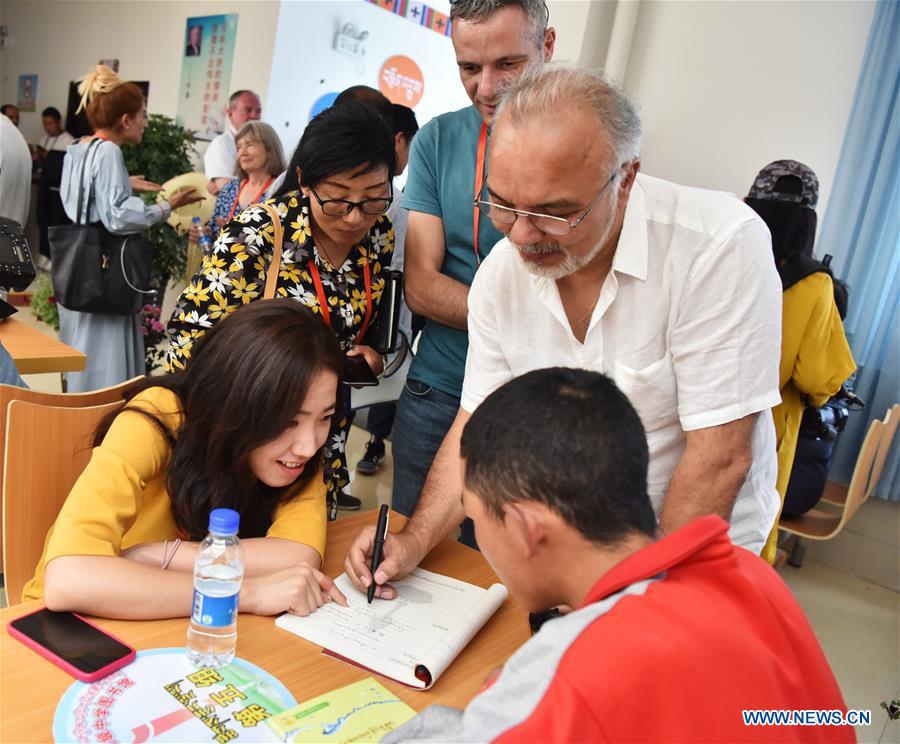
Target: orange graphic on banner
x,y
401,81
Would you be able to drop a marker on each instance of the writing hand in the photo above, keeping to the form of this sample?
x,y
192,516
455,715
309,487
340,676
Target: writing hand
x,y
402,553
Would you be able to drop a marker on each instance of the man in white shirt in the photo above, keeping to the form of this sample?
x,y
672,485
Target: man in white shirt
x,y
670,290
15,173
55,137
221,155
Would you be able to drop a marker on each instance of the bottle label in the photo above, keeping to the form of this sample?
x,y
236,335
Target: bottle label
x,y
215,612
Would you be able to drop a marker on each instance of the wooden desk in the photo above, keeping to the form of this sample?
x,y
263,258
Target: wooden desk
x,y
30,686
35,352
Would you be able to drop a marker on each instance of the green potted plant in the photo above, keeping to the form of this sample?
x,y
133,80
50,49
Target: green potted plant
x,y
163,154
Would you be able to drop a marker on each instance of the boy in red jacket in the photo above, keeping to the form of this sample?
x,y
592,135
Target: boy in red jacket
x,y
672,638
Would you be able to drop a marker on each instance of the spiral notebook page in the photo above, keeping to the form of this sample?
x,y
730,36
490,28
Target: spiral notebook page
x,y
429,624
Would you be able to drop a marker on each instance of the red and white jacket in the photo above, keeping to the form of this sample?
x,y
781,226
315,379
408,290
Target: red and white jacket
x,y
672,644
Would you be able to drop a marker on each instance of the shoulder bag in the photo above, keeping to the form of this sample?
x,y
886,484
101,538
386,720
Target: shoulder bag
x,y
95,271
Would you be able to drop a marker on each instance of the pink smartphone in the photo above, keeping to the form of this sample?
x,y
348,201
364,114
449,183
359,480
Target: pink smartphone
x,y
72,643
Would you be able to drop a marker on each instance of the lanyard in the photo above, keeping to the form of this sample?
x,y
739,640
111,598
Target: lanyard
x,y
479,185
255,198
323,302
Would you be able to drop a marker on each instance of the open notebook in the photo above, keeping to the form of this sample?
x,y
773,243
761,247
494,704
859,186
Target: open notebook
x,y
413,638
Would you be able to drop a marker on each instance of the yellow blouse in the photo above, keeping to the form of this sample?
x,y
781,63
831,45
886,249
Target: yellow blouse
x,y
815,361
120,500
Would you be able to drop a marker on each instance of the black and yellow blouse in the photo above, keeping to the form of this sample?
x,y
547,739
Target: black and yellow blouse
x,y
234,274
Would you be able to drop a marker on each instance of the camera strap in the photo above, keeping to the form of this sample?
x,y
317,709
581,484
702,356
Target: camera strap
x,y
479,185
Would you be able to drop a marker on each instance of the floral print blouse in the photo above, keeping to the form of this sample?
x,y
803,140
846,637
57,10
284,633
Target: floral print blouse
x,y
234,274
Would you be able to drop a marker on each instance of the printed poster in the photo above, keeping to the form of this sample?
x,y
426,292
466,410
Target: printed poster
x,y
207,54
161,697
27,92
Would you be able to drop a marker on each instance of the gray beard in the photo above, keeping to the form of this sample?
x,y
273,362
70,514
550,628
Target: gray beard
x,y
570,264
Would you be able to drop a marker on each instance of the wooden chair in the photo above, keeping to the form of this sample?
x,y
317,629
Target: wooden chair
x,y
836,493
47,448
823,523
9,393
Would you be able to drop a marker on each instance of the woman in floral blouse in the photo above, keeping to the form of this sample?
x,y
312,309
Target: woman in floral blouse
x,y
337,247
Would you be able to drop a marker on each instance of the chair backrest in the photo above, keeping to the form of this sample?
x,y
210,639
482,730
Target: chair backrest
x,y
9,393
887,437
858,491
47,448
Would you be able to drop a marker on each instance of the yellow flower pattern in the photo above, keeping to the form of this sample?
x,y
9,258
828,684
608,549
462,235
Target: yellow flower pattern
x,y
245,245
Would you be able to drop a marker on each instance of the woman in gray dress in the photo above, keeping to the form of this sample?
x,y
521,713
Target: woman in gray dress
x,y
114,344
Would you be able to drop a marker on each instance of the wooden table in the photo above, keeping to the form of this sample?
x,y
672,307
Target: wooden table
x,y
30,686
36,352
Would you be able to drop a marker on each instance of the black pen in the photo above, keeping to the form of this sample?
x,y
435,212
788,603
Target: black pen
x,y
380,535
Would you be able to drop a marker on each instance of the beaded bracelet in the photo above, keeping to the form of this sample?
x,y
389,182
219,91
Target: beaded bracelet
x,y
167,556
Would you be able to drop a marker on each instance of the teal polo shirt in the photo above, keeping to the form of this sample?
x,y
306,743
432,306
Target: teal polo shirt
x,y
441,182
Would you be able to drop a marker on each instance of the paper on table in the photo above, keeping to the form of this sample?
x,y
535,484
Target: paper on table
x,y
428,624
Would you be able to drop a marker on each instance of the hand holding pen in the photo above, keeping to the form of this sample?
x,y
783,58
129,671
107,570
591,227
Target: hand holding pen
x,y
378,548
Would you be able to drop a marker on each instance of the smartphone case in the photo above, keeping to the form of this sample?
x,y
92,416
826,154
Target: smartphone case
x,y
62,663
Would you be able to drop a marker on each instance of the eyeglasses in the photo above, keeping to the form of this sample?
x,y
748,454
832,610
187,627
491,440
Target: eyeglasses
x,y
550,224
343,207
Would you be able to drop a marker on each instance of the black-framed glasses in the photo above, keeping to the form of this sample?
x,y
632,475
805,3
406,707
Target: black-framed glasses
x,y
343,207
505,217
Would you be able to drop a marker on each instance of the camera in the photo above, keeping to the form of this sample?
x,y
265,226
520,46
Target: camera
x,y
827,422
16,267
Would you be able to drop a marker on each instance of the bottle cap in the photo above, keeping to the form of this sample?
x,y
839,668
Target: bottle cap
x,y
224,521
196,220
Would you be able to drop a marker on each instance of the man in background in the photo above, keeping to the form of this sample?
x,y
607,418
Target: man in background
x,y
671,638
11,112
221,155
50,153
495,41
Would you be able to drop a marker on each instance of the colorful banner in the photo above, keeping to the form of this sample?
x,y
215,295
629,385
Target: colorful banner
x,y
206,73
417,12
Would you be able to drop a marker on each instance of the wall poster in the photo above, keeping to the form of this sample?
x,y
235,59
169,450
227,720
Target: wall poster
x,y
208,46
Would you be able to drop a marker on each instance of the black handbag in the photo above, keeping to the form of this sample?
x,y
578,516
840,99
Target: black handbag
x,y
95,271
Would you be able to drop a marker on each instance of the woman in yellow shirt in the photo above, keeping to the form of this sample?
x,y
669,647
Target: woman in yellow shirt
x,y
241,427
815,355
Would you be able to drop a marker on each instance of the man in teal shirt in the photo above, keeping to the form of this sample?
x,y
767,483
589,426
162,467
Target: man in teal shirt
x,y
495,42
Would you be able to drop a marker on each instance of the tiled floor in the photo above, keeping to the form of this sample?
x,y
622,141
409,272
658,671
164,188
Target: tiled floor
x,y
857,622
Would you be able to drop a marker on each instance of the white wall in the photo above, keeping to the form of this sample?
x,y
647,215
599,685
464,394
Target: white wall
x,y
61,40
726,87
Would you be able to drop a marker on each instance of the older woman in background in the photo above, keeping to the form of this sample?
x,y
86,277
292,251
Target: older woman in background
x,y
260,160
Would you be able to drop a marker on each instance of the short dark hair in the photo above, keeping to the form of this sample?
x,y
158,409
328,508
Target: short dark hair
x,y
566,438
6,107
52,111
405,121
371,97
351,136
478,11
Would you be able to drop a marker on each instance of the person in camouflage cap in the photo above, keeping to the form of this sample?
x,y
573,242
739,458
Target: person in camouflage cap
x,y
764,185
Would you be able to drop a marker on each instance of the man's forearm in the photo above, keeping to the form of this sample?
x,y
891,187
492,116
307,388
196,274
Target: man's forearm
x,y
704,482
438,297
440,508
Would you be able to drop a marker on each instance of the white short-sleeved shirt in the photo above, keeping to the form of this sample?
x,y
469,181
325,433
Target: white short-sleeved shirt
x,y
58,142
688,324
221,156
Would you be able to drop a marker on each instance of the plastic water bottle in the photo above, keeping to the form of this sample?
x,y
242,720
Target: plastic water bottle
x,y
218,572
205,239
